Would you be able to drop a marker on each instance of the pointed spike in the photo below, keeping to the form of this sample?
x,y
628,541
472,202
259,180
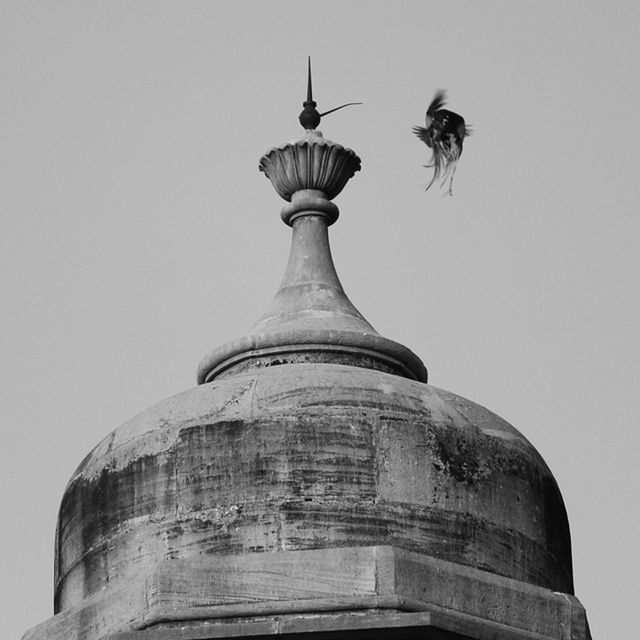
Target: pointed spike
x,y
309,91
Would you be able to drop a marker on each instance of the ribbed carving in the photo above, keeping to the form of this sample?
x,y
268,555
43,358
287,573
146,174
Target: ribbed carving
x,y
309,163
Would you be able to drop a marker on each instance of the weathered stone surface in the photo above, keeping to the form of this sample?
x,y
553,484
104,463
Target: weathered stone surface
x,y
291,592
311,457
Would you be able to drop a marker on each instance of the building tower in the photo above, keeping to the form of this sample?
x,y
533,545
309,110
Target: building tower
x,y
313,485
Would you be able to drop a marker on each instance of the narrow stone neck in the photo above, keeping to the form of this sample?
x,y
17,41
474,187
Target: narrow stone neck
x,y
310,259
310,292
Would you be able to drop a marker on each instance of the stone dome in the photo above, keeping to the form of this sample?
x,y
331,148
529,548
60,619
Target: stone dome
x,y
311,456
313,470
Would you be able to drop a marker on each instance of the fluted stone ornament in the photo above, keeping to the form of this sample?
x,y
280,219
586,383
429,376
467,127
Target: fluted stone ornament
x,y
310,163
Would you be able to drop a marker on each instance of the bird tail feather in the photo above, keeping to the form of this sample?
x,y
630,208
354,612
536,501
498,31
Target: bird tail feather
x,y
444,162
436,164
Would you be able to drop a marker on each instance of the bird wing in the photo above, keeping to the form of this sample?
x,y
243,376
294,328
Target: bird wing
x,y
424,134
439,100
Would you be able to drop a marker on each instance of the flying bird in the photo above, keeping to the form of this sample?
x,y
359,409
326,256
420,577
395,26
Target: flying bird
x,y
444,134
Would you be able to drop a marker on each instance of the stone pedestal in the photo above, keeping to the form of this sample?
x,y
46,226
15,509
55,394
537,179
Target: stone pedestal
x,y
372,592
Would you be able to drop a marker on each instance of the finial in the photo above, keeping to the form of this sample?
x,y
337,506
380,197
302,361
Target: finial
x,y
310,117
311,320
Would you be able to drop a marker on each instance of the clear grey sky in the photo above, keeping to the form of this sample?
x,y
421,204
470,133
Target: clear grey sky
x,y
137,232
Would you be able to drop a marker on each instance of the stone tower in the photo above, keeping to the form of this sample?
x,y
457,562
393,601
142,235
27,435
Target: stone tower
x,y
313,485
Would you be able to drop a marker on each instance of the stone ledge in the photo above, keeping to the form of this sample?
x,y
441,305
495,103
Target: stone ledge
x,y
381,625
310,592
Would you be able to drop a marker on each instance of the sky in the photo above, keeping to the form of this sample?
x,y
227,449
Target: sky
x,y
138,233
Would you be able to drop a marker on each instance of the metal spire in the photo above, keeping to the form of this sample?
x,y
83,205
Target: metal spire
x,y
310,117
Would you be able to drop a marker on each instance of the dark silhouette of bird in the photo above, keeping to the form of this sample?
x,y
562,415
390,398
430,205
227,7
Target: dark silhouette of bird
x,y
444,134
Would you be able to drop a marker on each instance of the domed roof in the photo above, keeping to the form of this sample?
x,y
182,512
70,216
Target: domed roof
x,y
312,434
311,456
